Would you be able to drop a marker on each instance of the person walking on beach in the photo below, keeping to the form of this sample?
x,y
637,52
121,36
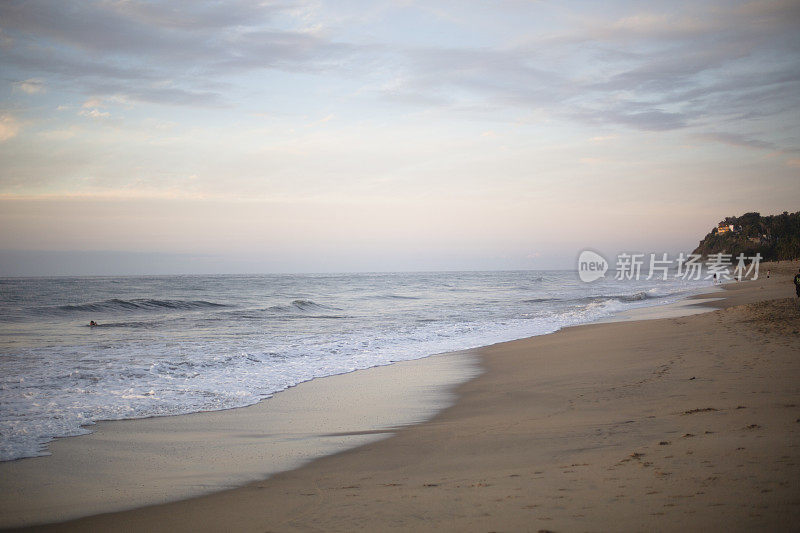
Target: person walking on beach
x,y
797,283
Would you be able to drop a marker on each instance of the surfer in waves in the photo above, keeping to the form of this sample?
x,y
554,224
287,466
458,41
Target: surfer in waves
x,y
92,323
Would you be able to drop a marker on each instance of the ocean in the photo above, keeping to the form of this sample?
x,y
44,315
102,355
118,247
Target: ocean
x,y
167,345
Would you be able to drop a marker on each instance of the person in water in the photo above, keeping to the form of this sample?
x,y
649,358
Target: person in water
x,y
92,323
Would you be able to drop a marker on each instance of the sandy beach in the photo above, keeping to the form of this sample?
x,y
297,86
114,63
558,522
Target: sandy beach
x,y
324,266
686,423
125,464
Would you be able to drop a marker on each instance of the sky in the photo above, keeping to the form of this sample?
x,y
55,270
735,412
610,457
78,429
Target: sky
x,y
146,137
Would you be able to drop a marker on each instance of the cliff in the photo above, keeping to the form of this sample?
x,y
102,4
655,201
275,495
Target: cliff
x,y
775,237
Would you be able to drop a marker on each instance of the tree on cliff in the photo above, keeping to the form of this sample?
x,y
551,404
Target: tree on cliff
x,y
775,237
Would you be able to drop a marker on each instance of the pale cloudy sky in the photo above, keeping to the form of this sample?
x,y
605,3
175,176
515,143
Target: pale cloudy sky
x,y
247,136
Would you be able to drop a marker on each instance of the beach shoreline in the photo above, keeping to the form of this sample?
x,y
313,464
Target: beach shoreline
x,y
126,464
129,463
476,407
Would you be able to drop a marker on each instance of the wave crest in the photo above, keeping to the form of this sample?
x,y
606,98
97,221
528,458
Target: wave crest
x,y
137,304
300,305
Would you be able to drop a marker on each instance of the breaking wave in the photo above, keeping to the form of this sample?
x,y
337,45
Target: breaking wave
x,y
138,304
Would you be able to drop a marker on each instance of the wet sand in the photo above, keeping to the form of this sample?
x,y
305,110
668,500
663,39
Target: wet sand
x,y
676,424
132,463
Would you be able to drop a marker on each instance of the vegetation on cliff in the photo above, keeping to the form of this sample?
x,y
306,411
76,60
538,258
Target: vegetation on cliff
x,y
775,237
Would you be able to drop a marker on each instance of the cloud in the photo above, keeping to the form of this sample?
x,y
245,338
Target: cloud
x,y
9,127
650,120
775,12
30,86
321,121
199,17
93,102
736,139
5,40
662,69
59,135
659,67
160,52
94,113
129,27
92,108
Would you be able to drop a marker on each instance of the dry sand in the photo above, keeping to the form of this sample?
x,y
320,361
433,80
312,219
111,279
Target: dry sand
x,y
675,424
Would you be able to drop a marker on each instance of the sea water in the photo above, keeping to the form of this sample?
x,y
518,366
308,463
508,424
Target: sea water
x,y
167,345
